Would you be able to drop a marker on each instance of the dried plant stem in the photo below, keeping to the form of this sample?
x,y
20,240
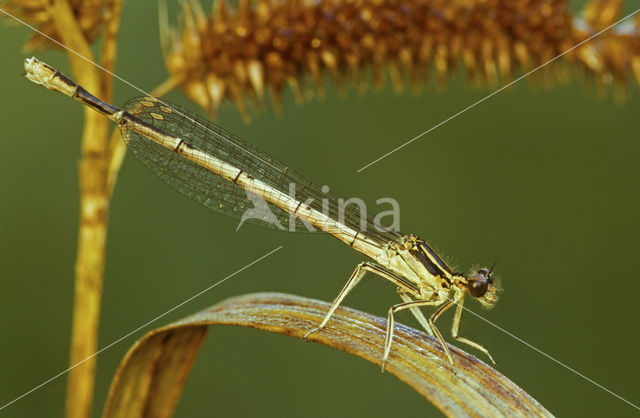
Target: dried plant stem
x,y
89,267
94,203
98,174
109,44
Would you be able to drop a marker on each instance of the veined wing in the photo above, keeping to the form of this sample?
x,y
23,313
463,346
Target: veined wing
x,y
221,195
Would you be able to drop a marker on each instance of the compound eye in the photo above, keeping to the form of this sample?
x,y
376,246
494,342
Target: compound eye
x,y
478,285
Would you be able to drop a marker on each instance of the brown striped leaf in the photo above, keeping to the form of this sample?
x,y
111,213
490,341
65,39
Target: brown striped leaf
x,y
151,376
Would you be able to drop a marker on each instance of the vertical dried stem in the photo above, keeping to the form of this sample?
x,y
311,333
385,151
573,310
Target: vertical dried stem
x,y
94,202
109,44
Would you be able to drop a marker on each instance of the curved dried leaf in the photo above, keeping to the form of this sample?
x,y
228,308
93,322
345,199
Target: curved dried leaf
x,y
151,376
150,379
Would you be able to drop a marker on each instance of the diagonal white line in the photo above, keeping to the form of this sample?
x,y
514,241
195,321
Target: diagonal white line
x,y
549,357
495,92
139,328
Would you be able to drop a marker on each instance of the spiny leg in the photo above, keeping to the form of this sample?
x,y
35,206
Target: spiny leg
x,y
355,278
431,322
455,325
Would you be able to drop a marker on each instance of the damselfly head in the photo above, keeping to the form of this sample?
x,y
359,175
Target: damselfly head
x,y
482,287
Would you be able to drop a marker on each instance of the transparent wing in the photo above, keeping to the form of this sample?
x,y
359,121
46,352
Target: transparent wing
x,y
214,192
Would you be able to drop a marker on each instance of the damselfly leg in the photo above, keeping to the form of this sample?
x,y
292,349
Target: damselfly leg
x,y
412,305
416,304
355,278
455,326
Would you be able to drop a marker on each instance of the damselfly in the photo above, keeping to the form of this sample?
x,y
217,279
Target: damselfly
x,y
219,170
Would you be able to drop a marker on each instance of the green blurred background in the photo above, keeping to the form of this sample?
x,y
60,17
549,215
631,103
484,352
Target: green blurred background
x,y
542,180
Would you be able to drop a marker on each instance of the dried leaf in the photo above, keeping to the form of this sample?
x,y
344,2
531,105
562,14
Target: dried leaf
x,y
150,378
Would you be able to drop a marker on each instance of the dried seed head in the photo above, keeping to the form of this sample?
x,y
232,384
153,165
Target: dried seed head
x,y
88,13
269,44
612,57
